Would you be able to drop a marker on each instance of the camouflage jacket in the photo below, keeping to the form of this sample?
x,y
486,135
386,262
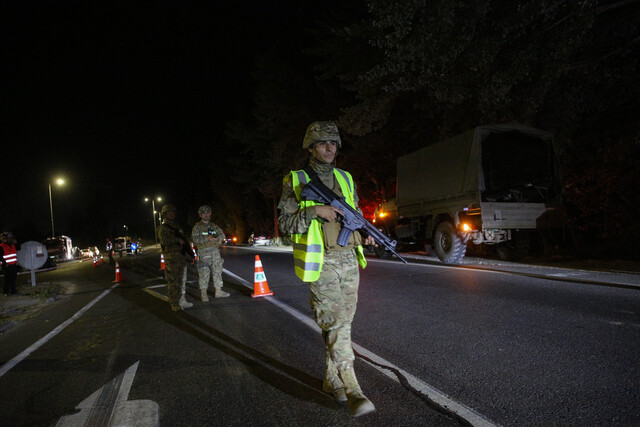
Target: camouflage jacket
x,y
200,235
170,235
293,220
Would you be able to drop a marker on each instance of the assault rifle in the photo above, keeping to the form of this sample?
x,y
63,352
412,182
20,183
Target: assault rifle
x,y
351,220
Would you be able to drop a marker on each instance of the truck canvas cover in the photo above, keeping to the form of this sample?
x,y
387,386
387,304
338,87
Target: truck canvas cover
x,y
453,169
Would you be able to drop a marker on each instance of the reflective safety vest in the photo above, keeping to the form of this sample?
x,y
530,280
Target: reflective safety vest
x,y
308,248
10,254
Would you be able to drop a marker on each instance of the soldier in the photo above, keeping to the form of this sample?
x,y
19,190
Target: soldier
x,y
330,270
174,244
207,238
9,260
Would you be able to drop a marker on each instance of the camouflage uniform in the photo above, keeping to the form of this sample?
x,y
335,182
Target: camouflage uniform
x,y
209,262
175,263
334,294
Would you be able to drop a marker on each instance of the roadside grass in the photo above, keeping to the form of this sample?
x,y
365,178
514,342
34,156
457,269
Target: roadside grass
x,y
29,302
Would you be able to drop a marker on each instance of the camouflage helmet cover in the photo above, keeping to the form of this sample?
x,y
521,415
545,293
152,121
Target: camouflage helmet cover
x,y
167,208
204,209
321,131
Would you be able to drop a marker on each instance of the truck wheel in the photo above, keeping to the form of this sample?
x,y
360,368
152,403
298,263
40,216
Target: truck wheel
x,y
448,245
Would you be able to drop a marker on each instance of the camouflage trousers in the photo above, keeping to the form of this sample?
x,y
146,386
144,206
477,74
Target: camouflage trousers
x,y
209,266
176,276
334,297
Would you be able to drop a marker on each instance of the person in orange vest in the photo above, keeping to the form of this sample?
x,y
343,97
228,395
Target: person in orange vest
x,y
9,258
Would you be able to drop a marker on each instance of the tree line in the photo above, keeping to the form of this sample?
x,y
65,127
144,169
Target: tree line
x,y
397,75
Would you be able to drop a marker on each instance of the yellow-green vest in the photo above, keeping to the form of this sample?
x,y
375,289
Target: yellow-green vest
x,y
308,248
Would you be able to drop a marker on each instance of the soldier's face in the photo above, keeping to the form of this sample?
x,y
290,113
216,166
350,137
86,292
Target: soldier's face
x,y
170,215
324,151
205,216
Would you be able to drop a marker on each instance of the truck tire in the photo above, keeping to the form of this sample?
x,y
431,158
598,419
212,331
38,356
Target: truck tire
x,y
448,245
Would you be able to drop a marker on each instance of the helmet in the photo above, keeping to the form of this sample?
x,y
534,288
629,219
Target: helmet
x,y
204,209
321,131
167,208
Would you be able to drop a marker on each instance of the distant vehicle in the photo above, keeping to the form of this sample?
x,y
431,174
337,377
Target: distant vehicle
x,y
89,252
230,240
86,253
59,248
262,241
122,245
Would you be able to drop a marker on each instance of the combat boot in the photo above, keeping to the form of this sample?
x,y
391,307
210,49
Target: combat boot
x,y
358,403
333,386
184,303
203,294
219,293
332,383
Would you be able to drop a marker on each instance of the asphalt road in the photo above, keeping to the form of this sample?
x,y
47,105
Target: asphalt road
x,y
437,345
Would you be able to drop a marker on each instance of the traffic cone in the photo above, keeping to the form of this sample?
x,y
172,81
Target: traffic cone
x,y
260,285
95,262
195,254
161,262
119,277
101,259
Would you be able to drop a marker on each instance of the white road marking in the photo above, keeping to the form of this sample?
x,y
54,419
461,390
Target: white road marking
x,y
33,347
156,294
109,406
387,368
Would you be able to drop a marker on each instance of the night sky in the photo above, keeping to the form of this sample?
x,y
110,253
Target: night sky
x,y
124,99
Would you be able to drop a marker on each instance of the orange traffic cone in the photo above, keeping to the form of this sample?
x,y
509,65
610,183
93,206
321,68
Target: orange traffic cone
x,y
101,259
95,262
161,262
119,277
260,285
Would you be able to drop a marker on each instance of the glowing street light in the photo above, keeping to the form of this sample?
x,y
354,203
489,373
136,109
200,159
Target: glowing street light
x,y
59,181
153,206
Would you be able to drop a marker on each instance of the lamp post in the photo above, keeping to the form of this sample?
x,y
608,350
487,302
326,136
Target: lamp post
x,y
59,181
153,206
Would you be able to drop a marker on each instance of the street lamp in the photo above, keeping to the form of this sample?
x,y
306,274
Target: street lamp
x,y
59,181
153,206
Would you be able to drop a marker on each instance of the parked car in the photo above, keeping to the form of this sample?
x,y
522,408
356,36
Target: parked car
x,y
86,253
261,241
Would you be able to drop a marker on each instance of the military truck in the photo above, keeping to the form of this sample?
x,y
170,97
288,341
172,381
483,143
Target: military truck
x,y
492,185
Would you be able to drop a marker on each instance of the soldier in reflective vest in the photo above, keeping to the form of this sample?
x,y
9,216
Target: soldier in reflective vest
x,y
9,259
331,271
